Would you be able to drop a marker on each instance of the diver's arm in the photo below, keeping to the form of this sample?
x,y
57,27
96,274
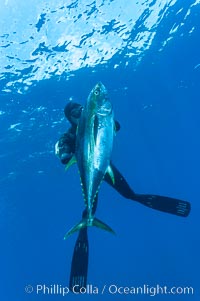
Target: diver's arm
x,y
161,203
65,146
117,126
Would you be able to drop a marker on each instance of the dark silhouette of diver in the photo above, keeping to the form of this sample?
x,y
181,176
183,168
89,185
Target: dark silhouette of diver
x,y
65,149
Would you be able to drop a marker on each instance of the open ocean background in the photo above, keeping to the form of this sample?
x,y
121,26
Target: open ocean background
x,y
146,53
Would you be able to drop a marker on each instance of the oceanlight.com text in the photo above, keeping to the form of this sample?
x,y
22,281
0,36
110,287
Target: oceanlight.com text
x,y
111,289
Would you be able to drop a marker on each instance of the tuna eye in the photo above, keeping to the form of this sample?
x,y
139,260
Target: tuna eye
x,y
96,92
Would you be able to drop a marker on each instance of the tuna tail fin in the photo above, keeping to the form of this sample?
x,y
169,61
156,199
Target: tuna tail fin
x,y
99,224
88,223
82,224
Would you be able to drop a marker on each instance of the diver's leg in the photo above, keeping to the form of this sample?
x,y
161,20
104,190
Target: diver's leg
x,y
161,203
79,265
120,184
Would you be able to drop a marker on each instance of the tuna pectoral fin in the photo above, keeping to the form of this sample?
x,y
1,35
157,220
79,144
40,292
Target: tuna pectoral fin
x,y
88,223
111,174
70,163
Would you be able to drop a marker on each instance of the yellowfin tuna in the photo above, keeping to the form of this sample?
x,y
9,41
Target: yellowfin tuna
x,y
94,142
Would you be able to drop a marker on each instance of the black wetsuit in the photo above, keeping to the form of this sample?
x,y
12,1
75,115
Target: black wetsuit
x,y
65,150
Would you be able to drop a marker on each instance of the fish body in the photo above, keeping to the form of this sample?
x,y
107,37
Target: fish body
x,y
94,143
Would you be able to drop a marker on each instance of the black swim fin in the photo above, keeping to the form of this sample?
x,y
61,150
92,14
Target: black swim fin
x,y
164,204
79,265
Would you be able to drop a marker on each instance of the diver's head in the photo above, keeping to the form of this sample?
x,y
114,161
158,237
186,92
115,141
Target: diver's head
x,y
73,112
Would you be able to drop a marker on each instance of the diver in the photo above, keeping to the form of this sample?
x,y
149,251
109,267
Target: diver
x,y
65,149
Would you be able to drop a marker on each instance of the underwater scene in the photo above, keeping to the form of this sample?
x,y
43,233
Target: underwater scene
x,y
99,150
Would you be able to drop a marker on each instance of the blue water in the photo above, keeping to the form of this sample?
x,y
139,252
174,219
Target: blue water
x,y
147,55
